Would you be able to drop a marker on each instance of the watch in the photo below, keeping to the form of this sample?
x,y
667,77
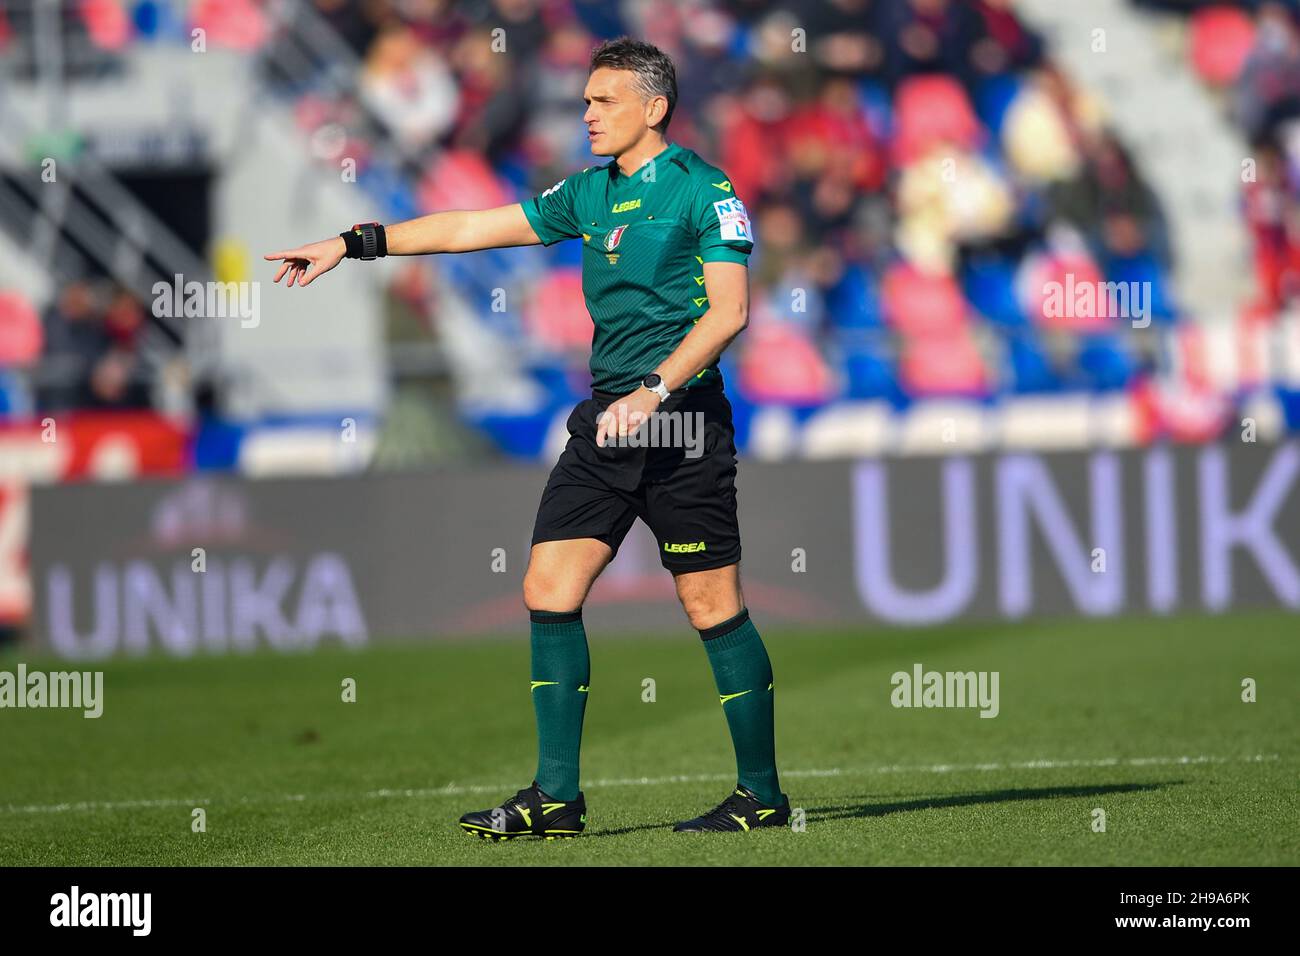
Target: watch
x,y
654,381
365,240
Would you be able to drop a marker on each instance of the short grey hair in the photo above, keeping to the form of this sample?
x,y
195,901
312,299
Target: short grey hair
x,y
655,73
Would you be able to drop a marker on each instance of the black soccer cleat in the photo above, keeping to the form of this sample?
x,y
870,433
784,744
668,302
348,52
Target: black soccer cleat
x,y
741,811
530,812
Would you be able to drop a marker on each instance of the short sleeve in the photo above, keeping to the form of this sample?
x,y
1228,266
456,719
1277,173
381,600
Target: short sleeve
x,y
722,222
552,215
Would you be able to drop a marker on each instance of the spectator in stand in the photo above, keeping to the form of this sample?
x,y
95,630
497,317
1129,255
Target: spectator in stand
x,y
947,198
844,35
1007,44
74,340
118,379
439,24
830,136
123,321
496,100
1274,224
748,126
1109,202
409,88
511,106
704,64
355,21
92,351
1045,128
930,36
1269,88
525,28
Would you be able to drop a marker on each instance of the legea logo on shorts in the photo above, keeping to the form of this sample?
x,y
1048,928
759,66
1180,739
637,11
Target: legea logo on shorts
x,y
688,547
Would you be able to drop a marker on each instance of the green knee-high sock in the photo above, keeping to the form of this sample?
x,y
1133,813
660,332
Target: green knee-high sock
x,y
744,676
561,670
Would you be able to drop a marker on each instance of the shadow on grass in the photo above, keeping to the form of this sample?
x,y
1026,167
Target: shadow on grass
x,y
851,812
971,799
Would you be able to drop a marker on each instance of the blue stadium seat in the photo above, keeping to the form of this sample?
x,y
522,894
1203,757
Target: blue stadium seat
x,y
1289,399
989,285
868,371
854,303
521,436
992,98
1144,268
1104,363
1031,370
878,107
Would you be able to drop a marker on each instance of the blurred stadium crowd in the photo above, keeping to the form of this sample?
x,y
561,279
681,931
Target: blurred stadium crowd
x,y
921,174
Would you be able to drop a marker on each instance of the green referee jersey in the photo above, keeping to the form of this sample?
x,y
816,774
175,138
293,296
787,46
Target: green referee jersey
x,y
645,240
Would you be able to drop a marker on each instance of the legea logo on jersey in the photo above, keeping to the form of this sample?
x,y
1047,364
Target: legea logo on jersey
x,y
733,220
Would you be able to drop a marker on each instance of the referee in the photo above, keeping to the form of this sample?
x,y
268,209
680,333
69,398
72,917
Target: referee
x,y
666,244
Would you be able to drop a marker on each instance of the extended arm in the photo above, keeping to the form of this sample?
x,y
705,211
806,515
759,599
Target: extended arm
x,y
461,231
455,231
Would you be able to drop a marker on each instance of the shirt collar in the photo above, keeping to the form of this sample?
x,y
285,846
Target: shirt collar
x,y
616,174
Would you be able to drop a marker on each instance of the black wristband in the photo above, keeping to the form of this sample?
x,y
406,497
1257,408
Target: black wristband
x,y
365,241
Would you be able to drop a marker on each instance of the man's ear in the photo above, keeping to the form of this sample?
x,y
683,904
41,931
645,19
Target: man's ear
x,y
656,110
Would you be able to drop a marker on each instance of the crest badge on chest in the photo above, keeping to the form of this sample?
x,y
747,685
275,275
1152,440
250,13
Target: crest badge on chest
x,y
612,240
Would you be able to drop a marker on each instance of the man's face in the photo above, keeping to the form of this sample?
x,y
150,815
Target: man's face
x,y
616,115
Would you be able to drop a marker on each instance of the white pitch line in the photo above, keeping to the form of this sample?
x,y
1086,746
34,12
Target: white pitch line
x,y
453,789
101,805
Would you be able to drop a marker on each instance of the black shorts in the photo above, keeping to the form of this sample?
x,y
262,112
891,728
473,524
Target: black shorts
x,y
684,489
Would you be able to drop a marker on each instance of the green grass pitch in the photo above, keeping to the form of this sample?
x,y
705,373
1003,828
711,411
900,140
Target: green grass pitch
x,y
1142,718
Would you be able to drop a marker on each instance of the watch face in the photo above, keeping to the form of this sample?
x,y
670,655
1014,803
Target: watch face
x,y
651,380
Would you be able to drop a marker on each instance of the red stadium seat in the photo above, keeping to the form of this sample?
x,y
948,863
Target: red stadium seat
x,y
943,364
461,179
556,315
238,24
21,335
313,111
1066,292
1181,411
922,303
1221,39
1223,357
930,111
781,365
106,23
